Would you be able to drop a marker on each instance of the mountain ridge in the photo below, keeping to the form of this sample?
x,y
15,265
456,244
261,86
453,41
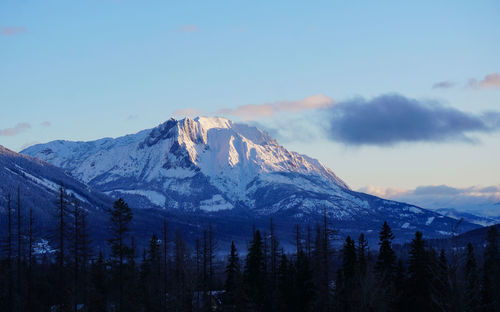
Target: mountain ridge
x,y
212,165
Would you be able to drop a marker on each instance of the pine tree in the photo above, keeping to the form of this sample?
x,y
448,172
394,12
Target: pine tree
x,y
182,293
85,252
76,252
419,283
490,293
472,285
165,266
285,285
441,281
62,288
274,251
151,274
212,246
304,289
348,289
386,260
121,217
254,274
309,241
384,269
321,264
349,260
400,285
19,240
31,260
99,290
234,296
362,255
10,281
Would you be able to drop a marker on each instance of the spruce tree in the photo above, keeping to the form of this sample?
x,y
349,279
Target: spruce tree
x,y
10,279
182,294
165,265
472,285
98,299
62,288
441,281
419,283
348,290
19,240
254,274
120,217
284,299
400,285
384,270
362,255
303,286
233,299
386,260
151,268
490,300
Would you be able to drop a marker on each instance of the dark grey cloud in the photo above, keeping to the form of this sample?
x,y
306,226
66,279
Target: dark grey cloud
x,y
443,85
392,119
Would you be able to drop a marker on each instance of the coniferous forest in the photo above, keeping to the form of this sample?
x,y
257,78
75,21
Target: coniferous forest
x,y
172,275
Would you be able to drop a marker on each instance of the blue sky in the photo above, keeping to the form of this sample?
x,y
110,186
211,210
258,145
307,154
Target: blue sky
x,y
83,70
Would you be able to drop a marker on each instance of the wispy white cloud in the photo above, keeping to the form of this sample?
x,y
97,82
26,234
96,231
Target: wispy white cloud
x,y
491,81
187,112
12,30
384,192
483,200
255,111
188,28
251,112
443,85
46,124
17,129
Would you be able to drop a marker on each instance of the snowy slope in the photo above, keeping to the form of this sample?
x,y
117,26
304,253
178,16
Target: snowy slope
x,y
213,165
39,183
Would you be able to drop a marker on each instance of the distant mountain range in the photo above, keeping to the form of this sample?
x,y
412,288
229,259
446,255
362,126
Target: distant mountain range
x,y
470,217
39,183
212,170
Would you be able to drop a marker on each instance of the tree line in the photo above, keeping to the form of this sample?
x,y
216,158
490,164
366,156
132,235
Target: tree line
x,y
170,275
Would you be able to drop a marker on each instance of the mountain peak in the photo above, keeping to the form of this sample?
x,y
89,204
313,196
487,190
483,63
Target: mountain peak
x,y
220,156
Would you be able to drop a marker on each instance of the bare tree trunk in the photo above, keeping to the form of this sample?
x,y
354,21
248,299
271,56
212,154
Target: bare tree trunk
x,y
9,254
120,272
165,263
75,251
85,254
62,286
30,259
211,247
18,239
297,239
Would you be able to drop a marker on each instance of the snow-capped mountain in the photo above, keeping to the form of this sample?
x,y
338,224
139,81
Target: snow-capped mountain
x,y
213,165
218,164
